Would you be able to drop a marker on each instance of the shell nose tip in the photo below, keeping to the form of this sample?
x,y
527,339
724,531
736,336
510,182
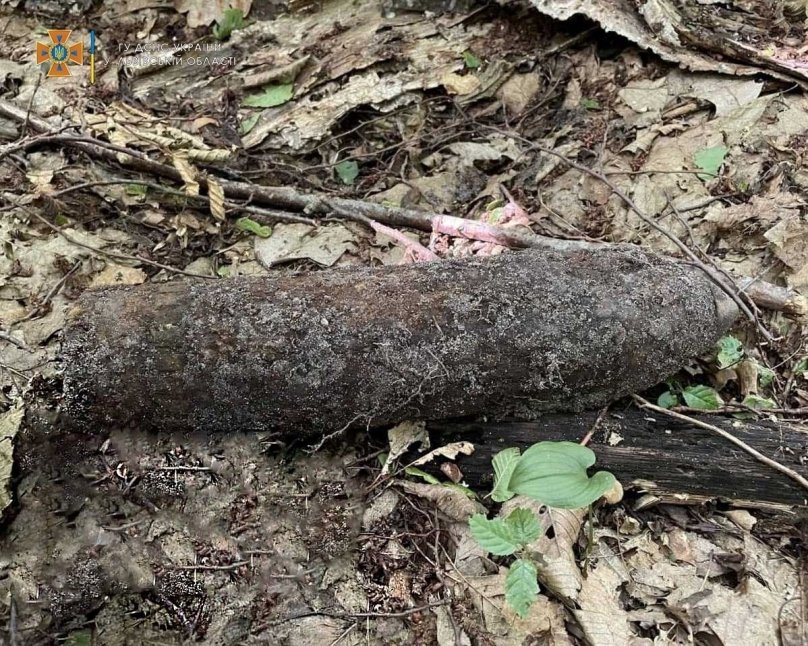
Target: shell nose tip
x,y
726,310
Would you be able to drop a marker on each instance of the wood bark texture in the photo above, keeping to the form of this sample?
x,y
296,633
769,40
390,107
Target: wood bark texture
x,y
676,461
517,334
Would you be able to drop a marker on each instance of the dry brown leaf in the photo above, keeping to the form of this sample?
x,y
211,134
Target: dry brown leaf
x,y
401,437
200,122
452,502
460,84
209,155
600,614
324,244
114,274
556,563
448,451
790,241
9,425
187,172
741,518
518,91
216,195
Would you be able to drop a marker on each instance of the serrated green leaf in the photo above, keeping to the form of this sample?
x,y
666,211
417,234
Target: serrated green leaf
x,y
590,104
554,473
347,171
521,587
524,526
730,351
755,401
709,160
231,20
503,463
667,400
418,473
248,124
261,230
702,397
493,535
470,60
765,374
271,96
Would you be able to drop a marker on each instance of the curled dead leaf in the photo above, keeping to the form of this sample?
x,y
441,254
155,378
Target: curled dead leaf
x,y
216,195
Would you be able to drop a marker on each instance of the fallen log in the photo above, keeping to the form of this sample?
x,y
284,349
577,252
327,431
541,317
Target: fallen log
x,y
517,334
672,460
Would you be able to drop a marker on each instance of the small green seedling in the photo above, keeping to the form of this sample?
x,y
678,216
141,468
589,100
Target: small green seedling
x,y
552,473
231,20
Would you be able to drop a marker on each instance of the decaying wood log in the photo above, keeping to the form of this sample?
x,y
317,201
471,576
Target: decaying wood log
x,y
673,460
516,334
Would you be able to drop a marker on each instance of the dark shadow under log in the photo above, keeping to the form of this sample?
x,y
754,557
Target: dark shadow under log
x,y
676,461
517,334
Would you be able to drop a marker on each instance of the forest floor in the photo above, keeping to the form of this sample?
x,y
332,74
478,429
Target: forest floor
x,y
126,537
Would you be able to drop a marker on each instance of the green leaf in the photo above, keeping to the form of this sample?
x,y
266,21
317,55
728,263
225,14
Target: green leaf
x,y
521,588
554,473
709,160
524,526
590,104
755,401
347,171
765,374
702,397
801,369
136,189
730,351
667,400
466,491
494,536
231,20
248,124
426,477
271,96
79,638
261,230
503,463
470,60
495,215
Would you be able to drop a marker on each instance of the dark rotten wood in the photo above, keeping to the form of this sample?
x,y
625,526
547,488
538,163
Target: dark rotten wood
x,y
671,459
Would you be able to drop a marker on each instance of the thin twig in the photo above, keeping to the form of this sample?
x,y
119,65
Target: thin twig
x,y
6,336
231,566
51,293
595,426
183,468
727,436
